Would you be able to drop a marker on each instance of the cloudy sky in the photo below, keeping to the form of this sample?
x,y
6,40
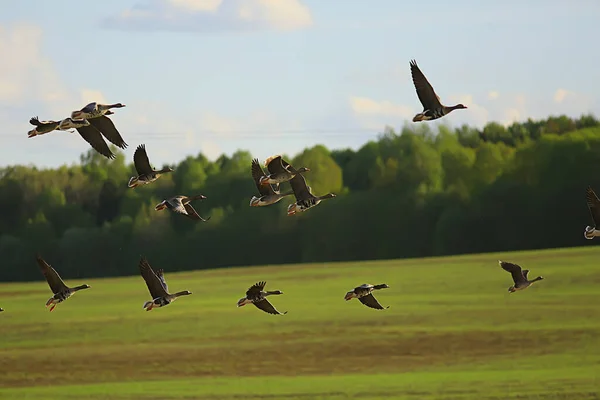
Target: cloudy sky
x,y
276,76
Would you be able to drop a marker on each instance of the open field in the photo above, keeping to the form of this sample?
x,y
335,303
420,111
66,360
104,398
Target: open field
x,y
452,332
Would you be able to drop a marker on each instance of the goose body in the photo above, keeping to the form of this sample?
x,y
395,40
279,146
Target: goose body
x,y
146,174
364,294
61,291
593,204
519,276
432,107
181,205
157,286
304,198
258,296
269,194
42,127
279,171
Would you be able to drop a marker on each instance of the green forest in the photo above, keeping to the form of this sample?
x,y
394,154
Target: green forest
x,y
410,193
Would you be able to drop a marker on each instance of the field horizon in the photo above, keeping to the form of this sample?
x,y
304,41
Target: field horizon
x,y
452,332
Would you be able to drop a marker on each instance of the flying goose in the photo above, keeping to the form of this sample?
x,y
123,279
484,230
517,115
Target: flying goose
x,y
58,287
269,194
432,107
181,205
519,276
279,171
257,296
593,204
157,286
146,174
95,110
42,127
304,198
364,294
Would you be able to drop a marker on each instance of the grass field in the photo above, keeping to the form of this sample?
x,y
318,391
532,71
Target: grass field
x,y
452,332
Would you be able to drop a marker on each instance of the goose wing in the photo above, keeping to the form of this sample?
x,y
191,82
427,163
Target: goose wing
x,y
515,271
141,161
191,213
46,124
108,129
267,307
370,301
275,165
94,138
257,173
54,280
300,188
429,99
525,272
161,276
89,108
254,291
155,286
593,204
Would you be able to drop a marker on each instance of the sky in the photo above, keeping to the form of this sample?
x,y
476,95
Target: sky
x,y
278,76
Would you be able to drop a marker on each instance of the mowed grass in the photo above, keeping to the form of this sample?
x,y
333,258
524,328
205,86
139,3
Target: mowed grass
x,y
452,332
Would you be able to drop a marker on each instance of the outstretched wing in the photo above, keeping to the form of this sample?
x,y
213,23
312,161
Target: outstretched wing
x,y
268,307
141,161
275,165
429,99
514,269
525,272
89,108
300,188
93,136
191,213
254,290
154,284
593,204
370,301
257,173
108,129
54,280
161,275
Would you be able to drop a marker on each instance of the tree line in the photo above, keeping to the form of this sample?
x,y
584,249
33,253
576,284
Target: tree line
x,y
413,193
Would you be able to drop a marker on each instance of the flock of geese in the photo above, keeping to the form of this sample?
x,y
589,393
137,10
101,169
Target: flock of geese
x,y
92,123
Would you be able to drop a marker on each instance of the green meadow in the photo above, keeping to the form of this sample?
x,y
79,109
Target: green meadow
x,y
452,332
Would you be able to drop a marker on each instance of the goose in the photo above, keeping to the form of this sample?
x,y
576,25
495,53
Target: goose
x,y
432,107
269,194
304,198
181,205
364,294
257,295
95,110
157,286
146,174
96,114
42,127
279,171
58,287
519,276
593,204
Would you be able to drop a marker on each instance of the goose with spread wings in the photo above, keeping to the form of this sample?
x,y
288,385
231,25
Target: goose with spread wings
x,y
304,198
258,296
157,286
181,205
519,276
269,194
432,107
60,291
146,174
96,115
42,127
364,294
593,204
279,171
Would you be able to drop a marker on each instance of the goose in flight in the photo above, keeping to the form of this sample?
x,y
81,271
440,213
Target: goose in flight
x,y
364,294
96,114
181,205
519,276
157,286
258,296
432,107
304,198
59,289
42,127
593,204
279,171
146,174
269,194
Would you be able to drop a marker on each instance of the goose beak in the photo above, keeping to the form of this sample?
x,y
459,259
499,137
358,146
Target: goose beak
x,y
348,296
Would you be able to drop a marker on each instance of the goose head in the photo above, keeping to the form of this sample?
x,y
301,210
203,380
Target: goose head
x,y
254,201
161,206
512,289
293,209
148,305
302,169
243,301
349,295
588,233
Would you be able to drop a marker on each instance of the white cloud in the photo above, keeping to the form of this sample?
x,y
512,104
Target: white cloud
x,y
560,95
213,15
492,95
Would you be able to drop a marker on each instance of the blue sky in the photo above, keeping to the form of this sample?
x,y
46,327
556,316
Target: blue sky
x,y
276,76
